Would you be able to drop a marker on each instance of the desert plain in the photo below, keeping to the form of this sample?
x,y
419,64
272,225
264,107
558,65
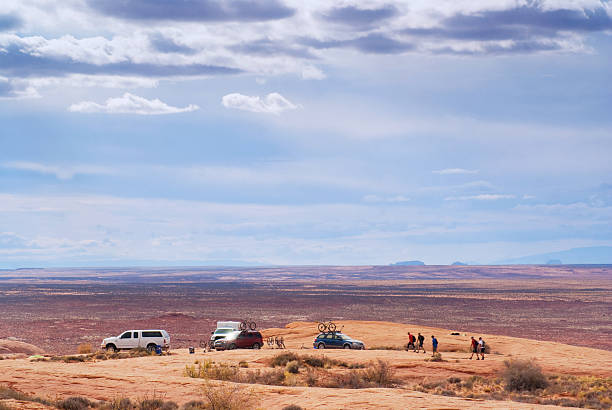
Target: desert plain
x,y
555,316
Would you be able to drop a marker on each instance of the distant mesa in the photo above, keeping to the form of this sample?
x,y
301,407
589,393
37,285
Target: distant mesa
x,y
459,264
593,255
409,263
554,262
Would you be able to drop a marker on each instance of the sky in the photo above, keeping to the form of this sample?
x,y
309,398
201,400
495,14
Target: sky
x,y
286,132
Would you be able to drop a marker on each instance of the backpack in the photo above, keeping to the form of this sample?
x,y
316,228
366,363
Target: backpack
x,y
483,344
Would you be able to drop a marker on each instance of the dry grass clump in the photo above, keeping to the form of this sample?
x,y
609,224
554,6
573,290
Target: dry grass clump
x,y
75,403
293,367
4,407
521,375
313,361
84,348
436,357
227,397
570,391
102,355
377,374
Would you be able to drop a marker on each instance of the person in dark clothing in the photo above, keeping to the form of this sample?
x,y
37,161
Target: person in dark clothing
x,y
434,345
420,340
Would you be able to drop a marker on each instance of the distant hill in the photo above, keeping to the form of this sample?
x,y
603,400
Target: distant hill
x,y
408,263
459,263
597,255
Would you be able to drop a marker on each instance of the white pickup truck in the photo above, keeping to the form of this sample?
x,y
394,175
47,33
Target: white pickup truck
x,y
132,339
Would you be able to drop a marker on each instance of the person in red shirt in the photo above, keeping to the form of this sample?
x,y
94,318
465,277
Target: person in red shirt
x,y
474,349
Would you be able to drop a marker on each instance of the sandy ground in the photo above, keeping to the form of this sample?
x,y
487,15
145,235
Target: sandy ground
x,y
163,376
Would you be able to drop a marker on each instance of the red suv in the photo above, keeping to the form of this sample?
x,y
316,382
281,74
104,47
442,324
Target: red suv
x,y
240,340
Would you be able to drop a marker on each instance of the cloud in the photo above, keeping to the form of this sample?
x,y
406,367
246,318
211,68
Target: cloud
x,y
529,28
16,89
389,199
480,197
267,47
374,43
130,104
273,103
455,171
168,45
311,72
60,172
353,16
21,61
194,10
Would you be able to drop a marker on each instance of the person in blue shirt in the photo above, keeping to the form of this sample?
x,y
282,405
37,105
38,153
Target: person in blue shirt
x,y
434,344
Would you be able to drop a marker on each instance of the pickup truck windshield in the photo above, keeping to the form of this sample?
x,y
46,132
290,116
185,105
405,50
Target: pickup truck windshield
x,y
220,331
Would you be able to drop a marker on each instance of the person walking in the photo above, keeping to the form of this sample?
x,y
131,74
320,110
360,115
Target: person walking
x,y
410,341
420,339
474,348
481,347
434,345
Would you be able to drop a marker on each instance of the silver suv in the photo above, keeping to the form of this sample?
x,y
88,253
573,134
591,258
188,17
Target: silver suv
x,y
131,339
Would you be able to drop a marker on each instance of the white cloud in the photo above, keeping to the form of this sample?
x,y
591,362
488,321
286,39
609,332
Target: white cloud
x,y
389,199
59,172
480,197
130,104
273,103
455,171
311,72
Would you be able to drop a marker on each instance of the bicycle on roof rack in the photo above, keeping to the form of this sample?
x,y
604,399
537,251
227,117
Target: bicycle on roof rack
x,y
326,326
248,324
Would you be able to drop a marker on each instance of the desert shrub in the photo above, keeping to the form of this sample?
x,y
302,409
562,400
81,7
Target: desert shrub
x,y
194,405
353,379
119,403
243,364
292,407
314,361
227,397
270,377
521,375
157,404
74,403
4,407
85,348
381,374
311,378
436,357
283,358
293,367
454,380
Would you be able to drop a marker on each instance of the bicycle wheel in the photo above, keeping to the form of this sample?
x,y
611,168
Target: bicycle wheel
x,y
322,327
253,325
243,325
332,327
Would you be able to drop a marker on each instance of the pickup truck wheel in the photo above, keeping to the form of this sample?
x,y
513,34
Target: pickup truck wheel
x,y
231,347
321,345
347,346
256,346
151,347
111,347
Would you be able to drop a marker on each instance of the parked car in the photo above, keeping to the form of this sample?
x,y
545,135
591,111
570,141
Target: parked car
x,y
336,340
222,330
240,340
132,339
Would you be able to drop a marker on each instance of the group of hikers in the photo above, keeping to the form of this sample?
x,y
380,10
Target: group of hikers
x,y
415,343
